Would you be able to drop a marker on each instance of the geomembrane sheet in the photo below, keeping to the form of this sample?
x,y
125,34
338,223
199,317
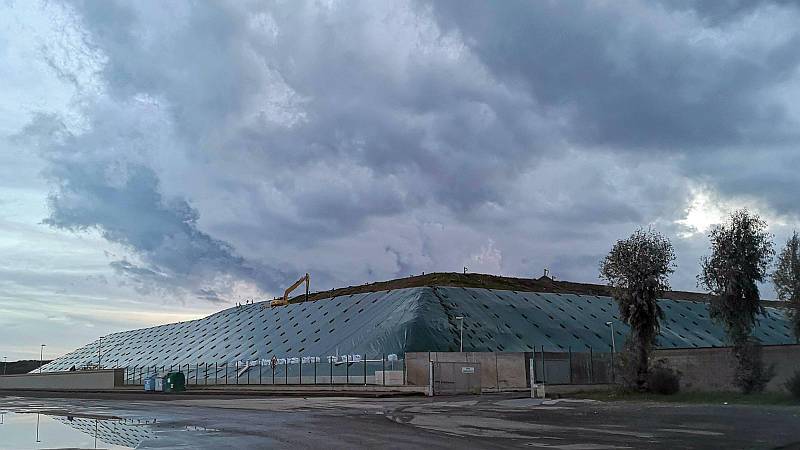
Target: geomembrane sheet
x,y
397,321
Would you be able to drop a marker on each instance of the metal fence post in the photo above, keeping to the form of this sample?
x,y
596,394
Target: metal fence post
x,y
286,371
260,380
544,367
248,371
315,370
365,369
301,370
330,361
569,349
273,372
226,372
347,369
591,366
613,380
383,367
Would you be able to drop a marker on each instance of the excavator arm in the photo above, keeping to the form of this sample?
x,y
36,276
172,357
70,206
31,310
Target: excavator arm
x,y
285,300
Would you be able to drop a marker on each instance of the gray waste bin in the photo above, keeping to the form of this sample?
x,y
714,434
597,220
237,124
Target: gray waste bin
x,y
150,383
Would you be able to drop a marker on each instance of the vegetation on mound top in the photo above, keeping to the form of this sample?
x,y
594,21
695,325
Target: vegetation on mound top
x,y
485,281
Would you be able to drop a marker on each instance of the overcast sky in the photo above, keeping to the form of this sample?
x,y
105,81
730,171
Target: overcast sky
x,y
160,160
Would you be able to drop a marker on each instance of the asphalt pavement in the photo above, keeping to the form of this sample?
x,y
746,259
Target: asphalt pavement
x,y
487,421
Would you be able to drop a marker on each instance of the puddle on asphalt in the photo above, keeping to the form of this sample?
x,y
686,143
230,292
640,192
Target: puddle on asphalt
x,y
38,431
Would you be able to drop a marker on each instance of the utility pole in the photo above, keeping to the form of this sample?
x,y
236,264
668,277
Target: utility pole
x,y
460,333
41,356
613,345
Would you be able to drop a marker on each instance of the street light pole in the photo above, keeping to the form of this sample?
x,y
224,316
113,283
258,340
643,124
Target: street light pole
x,y
460,333
613,344
41,356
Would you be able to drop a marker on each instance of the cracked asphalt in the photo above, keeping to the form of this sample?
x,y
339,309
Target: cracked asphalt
x,y
488,421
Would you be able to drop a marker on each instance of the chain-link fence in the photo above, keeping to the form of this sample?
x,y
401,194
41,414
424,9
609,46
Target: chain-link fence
x,y
384,370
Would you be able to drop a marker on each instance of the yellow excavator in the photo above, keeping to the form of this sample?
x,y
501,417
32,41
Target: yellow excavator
x,y
285,300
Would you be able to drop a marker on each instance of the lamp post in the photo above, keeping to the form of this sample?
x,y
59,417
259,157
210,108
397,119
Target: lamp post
x,y
613,344
460,333
41,356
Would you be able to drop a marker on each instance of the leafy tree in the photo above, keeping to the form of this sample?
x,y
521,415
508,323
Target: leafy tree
x,y
741,251
638,269
786,279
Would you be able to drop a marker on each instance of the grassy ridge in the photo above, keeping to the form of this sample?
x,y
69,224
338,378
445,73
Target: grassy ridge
x,y
486,281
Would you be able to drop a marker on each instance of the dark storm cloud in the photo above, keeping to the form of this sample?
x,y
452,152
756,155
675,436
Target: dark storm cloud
x,y
630,81
255,141
721,11
122,200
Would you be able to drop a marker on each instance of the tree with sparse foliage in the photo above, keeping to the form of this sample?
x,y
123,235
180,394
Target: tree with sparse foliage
x,y
786,279
638,269
741,251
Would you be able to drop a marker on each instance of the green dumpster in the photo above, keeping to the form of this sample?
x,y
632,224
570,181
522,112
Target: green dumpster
x,y
174,382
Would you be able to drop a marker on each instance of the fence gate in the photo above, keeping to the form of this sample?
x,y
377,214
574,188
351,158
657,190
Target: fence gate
x,y
456,378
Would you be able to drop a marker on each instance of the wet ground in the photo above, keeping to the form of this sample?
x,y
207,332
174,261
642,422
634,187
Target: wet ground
x,y
488,421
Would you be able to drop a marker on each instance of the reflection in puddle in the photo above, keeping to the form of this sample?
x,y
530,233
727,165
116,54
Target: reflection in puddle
x,y
35,430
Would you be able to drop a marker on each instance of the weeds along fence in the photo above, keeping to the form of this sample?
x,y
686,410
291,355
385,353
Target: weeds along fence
x,y
344,370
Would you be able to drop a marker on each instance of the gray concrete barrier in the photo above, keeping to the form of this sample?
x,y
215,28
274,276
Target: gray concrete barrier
x,y
702,369
711,369
64,381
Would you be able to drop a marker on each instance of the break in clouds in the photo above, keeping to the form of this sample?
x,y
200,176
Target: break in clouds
x,y
232,146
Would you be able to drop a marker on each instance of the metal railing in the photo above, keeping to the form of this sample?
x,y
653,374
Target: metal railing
x,y
334,370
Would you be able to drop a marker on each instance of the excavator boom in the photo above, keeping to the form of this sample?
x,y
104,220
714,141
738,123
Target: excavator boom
x,y
285,300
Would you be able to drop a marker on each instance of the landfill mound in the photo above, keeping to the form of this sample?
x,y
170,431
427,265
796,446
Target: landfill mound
x,y
425,318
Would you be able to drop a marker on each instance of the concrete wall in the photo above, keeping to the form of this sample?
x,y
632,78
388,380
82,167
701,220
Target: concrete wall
x,y
711,369
65,381
499,370
703,369
456,378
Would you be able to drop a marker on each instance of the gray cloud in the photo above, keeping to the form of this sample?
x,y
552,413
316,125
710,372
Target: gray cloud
x,y
100,190
229,142
634,77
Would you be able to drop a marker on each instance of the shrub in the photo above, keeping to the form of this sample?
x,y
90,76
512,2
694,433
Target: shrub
x,y
751,376
793,385
625,370
663,380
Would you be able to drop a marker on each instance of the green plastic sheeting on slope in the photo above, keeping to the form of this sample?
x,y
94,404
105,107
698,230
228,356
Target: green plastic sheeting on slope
x,y
412,319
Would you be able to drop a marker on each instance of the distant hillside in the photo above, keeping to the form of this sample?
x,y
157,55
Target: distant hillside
x,y
17,367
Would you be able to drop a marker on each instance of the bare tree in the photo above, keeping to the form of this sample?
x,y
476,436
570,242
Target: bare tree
x,y
741,251
786,279
638,270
